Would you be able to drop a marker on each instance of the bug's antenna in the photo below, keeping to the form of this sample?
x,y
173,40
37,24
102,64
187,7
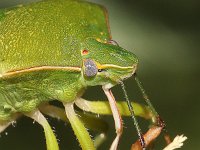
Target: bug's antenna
x,y
145,96
158,120
130,107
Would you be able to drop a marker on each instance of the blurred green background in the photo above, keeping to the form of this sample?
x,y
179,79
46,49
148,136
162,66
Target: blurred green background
x,y
165,35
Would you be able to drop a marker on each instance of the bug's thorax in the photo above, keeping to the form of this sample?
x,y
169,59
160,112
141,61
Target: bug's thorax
x,y
47,55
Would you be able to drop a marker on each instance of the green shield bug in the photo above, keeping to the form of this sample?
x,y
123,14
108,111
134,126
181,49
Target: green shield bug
x,y
55,49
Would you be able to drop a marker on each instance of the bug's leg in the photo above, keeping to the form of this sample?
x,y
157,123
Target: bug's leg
x,y
79,128
51,141
103,108
95,124
90,121
116,116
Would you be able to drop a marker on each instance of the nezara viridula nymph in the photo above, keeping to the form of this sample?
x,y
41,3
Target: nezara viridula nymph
x,y
54,50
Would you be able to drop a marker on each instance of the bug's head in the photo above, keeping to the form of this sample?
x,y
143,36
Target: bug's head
x,y
106,63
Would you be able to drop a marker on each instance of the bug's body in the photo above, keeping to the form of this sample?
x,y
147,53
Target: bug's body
x,y
55,49
50,35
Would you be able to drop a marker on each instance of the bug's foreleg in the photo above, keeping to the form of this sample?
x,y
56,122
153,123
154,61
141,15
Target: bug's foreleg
x,y
90,121
79,128
116,116
51,141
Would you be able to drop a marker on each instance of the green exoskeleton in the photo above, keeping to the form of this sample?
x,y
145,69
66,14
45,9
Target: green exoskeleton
x,y
54,50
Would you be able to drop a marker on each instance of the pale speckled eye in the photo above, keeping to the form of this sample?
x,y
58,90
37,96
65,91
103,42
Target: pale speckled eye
x,y
90,68
113,42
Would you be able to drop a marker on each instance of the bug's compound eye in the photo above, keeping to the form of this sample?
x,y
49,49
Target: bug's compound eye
x,y
85,52
90,68
113,42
